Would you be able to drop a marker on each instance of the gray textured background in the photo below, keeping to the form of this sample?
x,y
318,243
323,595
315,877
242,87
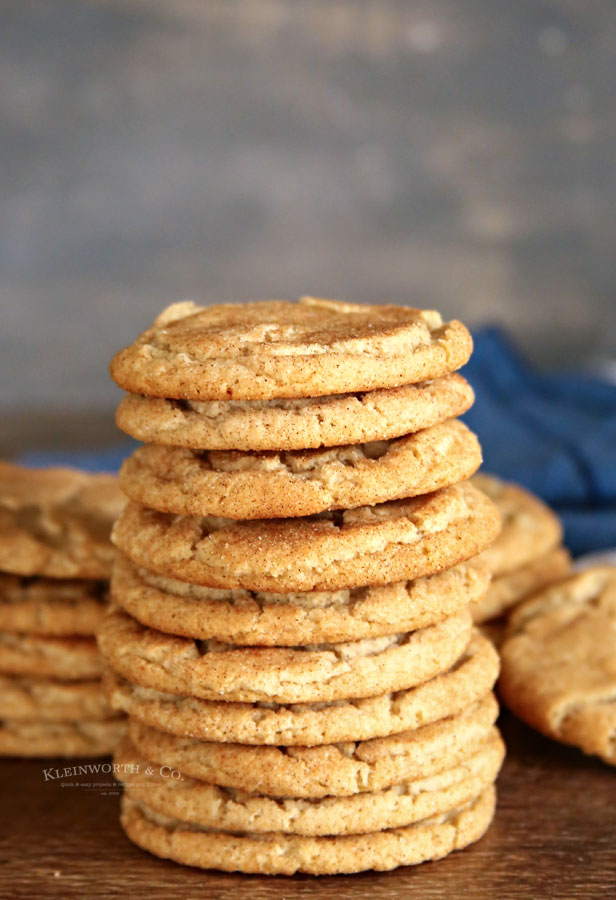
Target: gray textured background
x,y
449,154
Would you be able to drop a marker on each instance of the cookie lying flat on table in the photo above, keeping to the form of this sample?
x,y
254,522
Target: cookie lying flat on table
x,y
559,662
32,738
472,676
258,618
338,770
294,424
281,349
394,541
56,522
24,697
51,606
280,854
64,658
226,809
238,485
318,673
529,528
510,589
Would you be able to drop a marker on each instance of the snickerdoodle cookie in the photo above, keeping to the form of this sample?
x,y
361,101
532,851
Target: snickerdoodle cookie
x,y
559,662
394,541
273,349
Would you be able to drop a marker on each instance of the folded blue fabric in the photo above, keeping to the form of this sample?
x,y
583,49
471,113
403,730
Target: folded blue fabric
x,y
108,460
553,433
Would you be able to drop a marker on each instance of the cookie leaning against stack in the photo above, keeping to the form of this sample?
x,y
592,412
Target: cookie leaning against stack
x,y
559,661
526,556
290,626
55,563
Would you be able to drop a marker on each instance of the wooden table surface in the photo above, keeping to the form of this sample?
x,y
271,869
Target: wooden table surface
x,y
553,837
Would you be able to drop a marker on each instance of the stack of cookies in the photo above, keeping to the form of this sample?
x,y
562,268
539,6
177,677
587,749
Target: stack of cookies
x,y
55,563
527,556
291,631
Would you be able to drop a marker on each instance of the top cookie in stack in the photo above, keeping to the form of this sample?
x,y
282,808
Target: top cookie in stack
x,y
55,563
296,572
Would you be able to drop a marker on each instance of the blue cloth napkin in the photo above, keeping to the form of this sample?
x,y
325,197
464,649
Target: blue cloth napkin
x,y
553,433
108,460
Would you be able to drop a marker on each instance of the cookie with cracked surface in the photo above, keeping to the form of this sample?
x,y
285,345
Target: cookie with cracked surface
x,y
394,541
64,658
337,770
57,522
508,590
280,854
316,673
41,699
294,424
472,676
51,606
559,662
38,739
227,809
237,485
258,618
529,531
251,351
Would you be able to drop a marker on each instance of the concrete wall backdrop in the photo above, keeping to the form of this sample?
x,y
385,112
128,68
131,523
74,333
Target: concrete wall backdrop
x,y
449,153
